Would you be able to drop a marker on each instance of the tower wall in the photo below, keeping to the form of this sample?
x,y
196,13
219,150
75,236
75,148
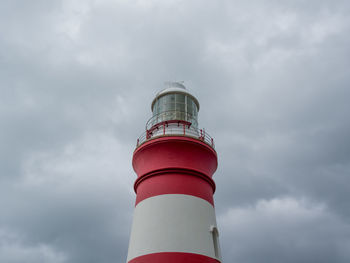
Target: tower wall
x,y
172,223
174,214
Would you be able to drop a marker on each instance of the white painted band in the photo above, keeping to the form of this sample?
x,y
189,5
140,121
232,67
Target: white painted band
x,y
173,223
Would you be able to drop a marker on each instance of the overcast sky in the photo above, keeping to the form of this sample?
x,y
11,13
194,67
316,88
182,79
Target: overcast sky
x,y
77,78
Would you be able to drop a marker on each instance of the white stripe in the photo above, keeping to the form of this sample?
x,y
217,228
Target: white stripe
x,y
172,223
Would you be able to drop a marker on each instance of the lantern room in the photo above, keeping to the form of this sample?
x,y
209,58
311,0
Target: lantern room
x,y
174,103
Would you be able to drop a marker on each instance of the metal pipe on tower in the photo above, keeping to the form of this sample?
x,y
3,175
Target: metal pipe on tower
x,y
174,217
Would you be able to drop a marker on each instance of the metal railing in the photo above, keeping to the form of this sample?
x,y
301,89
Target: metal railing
x,y
171,115
178,128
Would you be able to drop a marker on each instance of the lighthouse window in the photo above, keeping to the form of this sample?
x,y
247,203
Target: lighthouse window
x,y
180,98
180,107
172,98
189,106
162,104
169,98
195,109
171,106
156,108
180,103
168,102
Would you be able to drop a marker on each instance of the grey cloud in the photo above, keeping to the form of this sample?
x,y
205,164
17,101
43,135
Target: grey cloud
x,y
13,250
284,229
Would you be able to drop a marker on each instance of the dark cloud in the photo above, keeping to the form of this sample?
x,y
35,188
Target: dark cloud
x,y
77,79
284,229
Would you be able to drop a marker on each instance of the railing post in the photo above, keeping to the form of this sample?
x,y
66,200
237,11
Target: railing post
x,y
164,129
138,142
184,128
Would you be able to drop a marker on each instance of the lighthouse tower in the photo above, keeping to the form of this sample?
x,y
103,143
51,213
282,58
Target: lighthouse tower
x,y
174,218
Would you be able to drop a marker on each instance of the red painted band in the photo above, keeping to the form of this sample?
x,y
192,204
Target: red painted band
x,y
174,152
174,183
173,257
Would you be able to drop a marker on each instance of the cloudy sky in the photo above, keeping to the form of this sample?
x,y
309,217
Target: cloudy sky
x,y
76,81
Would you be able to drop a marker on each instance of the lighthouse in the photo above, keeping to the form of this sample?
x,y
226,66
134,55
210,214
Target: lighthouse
x,y
174,218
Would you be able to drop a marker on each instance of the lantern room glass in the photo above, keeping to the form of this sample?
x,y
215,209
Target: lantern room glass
x,y
175,106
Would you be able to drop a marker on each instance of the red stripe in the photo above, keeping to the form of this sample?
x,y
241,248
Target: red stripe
x,y
174,152
175,183
173,257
